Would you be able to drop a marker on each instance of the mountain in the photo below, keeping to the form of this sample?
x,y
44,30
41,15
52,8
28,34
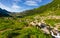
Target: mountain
x,y
4,13
54,5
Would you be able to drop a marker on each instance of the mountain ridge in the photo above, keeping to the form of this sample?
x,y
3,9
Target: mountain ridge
x,y
4,13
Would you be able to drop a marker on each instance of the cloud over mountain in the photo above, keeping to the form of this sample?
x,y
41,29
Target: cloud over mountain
x,y
21,5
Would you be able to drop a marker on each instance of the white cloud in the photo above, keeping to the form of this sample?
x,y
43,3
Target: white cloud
x,y
16,0
38,0
4,7
13,8
31,3
35,0
16,7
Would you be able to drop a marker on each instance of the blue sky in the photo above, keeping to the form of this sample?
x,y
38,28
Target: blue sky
x,y
21,5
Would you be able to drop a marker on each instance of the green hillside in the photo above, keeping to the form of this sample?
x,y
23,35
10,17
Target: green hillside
x,y
53,6
18,26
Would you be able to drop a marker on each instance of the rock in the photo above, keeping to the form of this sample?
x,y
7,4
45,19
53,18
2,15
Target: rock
x,y
33,23
45,30
42,25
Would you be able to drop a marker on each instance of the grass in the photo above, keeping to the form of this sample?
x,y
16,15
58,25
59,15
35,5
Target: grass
x,y
19,29
52,22
29,32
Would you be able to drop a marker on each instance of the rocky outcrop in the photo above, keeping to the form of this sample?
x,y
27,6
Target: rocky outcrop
x,y
41,25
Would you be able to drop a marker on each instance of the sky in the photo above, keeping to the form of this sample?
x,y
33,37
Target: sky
x,y
21,5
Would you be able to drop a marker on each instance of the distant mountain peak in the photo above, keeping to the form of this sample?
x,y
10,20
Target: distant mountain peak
x,y
4,12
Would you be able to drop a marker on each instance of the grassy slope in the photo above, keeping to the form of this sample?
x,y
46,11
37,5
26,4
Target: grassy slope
x,y
49,7
16,27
